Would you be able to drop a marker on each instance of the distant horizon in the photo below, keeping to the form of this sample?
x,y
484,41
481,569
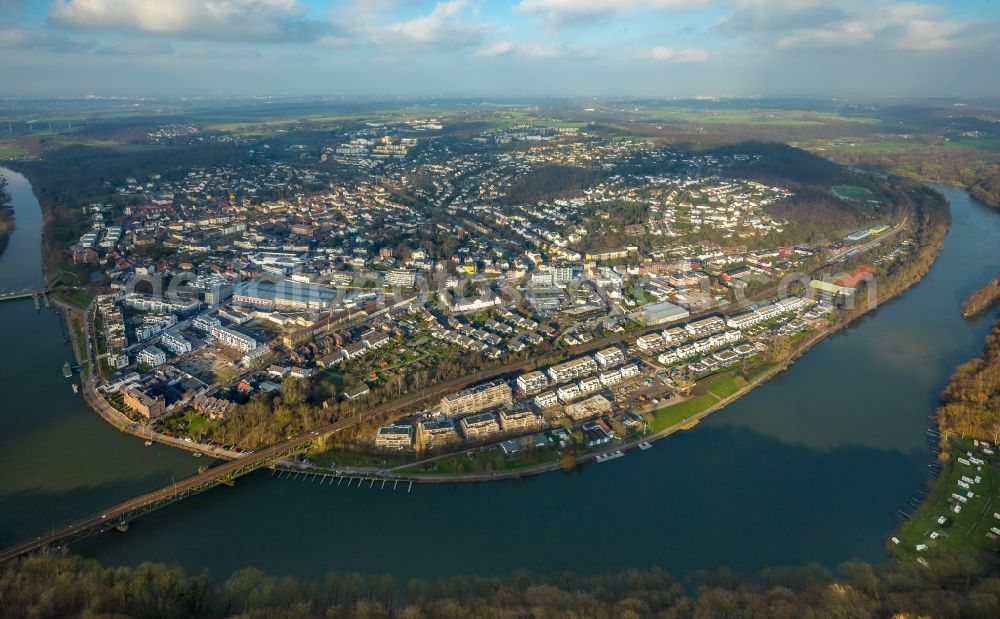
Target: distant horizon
x,y
509,99
521,48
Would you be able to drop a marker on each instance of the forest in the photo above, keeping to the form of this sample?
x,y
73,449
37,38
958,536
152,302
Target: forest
x,y
971,401
987,190
982,298
54,584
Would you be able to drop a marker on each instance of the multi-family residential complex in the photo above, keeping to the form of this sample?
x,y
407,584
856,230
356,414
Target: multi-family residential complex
x,y
394,437
575,368
519,420
476,398
532,382
234,339
148,406
436,433
480,426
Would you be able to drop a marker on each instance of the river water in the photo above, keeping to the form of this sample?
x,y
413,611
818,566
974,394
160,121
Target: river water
x,y
810,467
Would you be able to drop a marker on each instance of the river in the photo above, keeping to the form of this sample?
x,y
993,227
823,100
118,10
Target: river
x,y
810,467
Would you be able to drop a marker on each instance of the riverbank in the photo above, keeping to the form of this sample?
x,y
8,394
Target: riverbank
x,y
958,519
932,229
6,216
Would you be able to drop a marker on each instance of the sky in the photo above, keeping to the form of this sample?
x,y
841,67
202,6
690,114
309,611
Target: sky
x,y
500,48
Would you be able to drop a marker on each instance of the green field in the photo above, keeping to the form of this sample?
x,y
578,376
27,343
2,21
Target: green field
x,y
789,118
851,192
666,417
484,461
11,151
967,530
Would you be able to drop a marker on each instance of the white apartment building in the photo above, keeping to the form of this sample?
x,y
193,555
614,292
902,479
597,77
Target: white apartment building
x,y
234,339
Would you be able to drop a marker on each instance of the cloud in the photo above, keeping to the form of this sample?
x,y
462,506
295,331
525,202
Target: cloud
x,y
14,39
669,54
445,27
850,23
259,20
563,11
500,48
136,48
537,51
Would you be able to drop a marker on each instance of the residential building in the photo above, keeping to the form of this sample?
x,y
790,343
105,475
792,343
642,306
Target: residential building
x,y
519,420
546,400
151,356
532,382
175,343
146,405
477,398
574,368
394,437
401,277
568,393
610,357
234,339
436,433
591,407
480,426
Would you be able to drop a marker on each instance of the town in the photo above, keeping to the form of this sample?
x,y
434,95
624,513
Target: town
x,y
245,303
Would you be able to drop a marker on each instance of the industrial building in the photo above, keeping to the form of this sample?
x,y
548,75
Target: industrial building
x,y
286,295
660,313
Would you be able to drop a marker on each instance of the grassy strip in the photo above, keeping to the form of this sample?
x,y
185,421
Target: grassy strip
x,y
966,532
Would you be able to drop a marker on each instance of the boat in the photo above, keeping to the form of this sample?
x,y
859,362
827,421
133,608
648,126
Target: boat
x,y
76,388
196,454
67,370
147,443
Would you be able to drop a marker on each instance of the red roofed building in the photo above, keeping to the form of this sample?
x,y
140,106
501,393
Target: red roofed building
x,y
863,273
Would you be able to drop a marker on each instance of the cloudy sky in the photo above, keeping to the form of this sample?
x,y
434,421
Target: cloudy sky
x,y
500,47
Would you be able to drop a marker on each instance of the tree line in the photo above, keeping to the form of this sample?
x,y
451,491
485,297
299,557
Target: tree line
x,y
52,584
982,298
971,401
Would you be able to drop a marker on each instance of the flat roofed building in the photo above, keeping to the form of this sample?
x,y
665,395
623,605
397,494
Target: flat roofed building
x,y
610,357
659,313
705,326
611,377
401,277
591,407
629,371
480,426
568,393
546,400
589,384
651,342
285,295
519,420
175,343
151,356
394,436
532,382
476,398
234,339
436,433
141,402
572,369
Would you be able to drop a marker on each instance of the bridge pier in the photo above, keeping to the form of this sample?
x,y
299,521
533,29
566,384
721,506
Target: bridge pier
x,y
122,526
230,482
